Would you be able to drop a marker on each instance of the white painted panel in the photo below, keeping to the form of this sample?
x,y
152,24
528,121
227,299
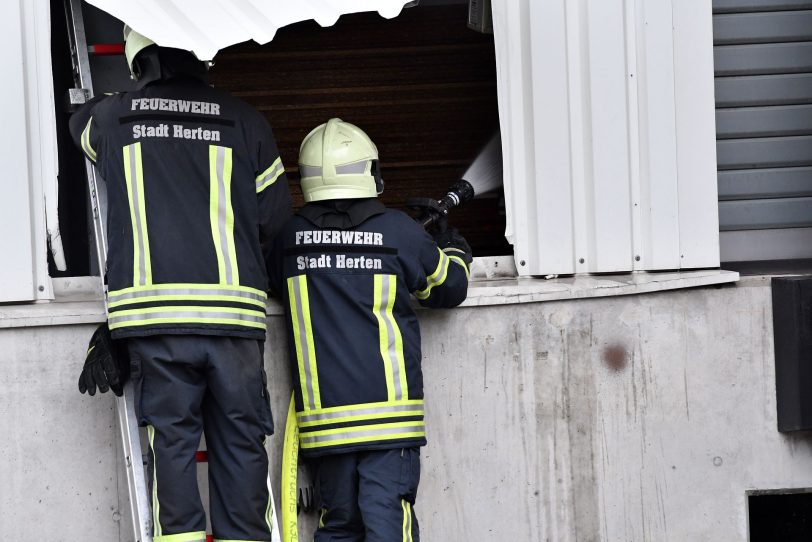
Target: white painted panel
x,y
615,101
658,201
16,232
607,198
696,133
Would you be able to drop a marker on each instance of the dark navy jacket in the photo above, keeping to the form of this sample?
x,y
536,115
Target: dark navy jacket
x,y
353,336
195,187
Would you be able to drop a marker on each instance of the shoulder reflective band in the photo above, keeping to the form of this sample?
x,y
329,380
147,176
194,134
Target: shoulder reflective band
x,y
360,413
303,338
222,214
134,175
436,278
187,292
391,341
269,176
85,140
187,315
363,433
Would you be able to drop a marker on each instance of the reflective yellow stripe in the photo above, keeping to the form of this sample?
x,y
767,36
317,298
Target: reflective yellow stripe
x,y
134,176
221,213
85,140
390,338
361,413
197,536
460,261
186,314
407,520
436,278
189,297
186,320
303,338
270,175
156,507
363,433
190,286
345,408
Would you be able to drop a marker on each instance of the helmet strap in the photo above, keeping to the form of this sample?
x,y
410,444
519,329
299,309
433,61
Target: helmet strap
x,y
375,170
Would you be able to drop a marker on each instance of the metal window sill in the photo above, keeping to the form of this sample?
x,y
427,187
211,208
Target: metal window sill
x,y
493,282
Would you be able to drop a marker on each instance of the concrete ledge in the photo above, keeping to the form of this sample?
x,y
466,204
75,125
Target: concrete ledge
x,y
493,282
533,290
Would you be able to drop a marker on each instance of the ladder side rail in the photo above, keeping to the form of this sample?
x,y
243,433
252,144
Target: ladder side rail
x,y
125,407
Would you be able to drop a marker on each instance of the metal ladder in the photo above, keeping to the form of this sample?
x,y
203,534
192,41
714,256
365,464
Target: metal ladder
x,y
127,421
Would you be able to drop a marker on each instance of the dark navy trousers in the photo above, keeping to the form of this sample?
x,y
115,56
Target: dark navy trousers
x,y
368,496
186,385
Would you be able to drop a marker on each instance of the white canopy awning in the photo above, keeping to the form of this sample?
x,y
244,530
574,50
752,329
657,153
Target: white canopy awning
x,y
206,26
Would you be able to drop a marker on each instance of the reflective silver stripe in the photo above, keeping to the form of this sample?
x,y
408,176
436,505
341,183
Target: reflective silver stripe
x,y
386,316
269,176
137,204
223,204
407,520
358,412
356,168
306,354
158,292
357,433
309,171
164,312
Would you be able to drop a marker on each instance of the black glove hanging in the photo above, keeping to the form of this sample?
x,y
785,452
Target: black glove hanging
x,y
453,244
106,365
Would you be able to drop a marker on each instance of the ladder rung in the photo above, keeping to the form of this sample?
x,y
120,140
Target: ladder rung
x,y
105,49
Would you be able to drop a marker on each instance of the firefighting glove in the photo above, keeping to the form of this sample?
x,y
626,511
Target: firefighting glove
x,y
453,244
105,365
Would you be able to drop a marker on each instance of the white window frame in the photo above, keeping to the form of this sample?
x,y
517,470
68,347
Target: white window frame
x,y
28,140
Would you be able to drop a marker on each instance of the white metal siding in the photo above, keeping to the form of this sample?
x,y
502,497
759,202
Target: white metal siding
x,y
206,26
608,134
763,51
28,150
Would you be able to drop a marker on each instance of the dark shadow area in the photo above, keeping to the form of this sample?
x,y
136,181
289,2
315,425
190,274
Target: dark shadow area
x,y
422,85
780,517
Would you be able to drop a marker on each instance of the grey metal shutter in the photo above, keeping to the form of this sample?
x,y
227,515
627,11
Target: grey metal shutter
x,y
763,64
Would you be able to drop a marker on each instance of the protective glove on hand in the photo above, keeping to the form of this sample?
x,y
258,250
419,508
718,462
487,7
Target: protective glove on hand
x,y
106,366
453,244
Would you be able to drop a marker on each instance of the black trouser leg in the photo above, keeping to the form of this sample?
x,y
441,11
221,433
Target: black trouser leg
x,y
169,391
387,489
237,417
337,485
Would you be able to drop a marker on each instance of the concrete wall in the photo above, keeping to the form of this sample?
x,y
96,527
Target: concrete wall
x,y
634,418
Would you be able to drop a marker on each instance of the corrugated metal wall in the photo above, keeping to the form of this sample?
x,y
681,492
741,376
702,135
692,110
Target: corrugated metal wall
x,y
763,65
608,134
422,85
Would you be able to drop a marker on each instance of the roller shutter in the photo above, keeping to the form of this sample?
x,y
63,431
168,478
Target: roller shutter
x,y
763,65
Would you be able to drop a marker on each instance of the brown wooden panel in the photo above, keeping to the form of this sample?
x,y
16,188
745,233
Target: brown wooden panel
x,y
422,85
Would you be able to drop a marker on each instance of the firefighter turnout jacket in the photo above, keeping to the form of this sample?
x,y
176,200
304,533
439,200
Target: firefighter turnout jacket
x,y
354,339
195,188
